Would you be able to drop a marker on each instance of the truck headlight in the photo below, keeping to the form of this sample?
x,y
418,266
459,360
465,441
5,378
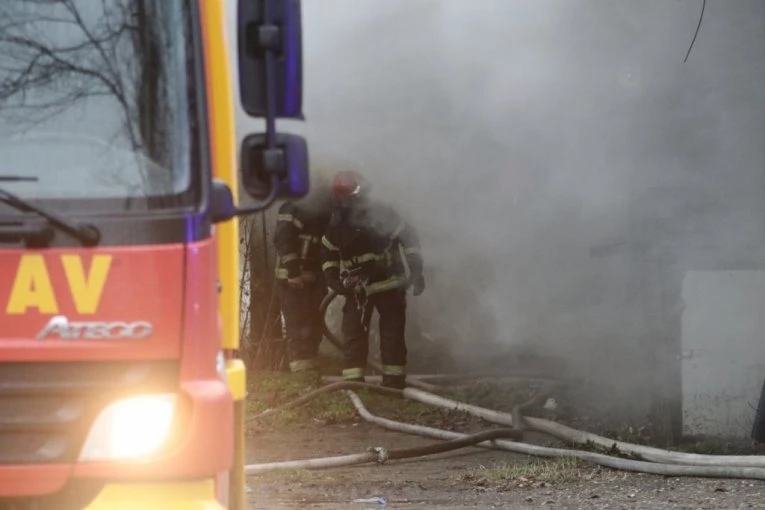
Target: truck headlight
x,y
132,428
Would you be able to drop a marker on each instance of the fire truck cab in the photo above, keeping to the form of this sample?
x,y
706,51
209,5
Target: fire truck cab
x,y
120,385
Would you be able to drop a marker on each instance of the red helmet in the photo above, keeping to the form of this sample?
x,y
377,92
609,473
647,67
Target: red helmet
x,y
349,184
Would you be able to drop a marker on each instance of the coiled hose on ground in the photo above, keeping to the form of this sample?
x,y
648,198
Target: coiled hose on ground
x,y
652,460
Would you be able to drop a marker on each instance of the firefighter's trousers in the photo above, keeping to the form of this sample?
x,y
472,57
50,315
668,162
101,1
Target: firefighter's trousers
x,y
303,324
391,307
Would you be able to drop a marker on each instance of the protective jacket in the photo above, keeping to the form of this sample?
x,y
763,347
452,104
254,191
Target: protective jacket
x,y
370,238
298,241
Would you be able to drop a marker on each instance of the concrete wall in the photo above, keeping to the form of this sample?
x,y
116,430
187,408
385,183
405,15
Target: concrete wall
x,y
723,342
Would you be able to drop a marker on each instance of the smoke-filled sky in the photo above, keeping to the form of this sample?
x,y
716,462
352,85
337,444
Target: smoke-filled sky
x,y
519,135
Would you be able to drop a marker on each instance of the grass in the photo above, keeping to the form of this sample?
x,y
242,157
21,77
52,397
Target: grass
x,y
410,411
268,390
276,389
272,389
534,473
490,394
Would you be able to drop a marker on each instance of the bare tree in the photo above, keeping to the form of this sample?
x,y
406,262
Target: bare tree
x,y
262,337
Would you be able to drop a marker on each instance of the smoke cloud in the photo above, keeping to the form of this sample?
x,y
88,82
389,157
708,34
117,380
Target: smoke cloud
x,y
552,154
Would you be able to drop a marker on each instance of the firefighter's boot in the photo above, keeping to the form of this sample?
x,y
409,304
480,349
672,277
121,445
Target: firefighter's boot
x,y
396,382
354,374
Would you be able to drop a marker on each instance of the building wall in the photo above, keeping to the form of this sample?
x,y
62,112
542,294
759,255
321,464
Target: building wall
x,y
723,364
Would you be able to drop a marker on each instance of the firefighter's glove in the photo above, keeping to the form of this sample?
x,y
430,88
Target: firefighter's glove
x,y
418,285
295,283
351,283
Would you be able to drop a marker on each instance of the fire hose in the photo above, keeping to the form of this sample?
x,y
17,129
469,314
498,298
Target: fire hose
x,y
652,460
571,435
543,451
455,440
381,455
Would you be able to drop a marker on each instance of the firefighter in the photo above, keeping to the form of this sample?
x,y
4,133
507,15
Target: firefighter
x,y
297,238
362,260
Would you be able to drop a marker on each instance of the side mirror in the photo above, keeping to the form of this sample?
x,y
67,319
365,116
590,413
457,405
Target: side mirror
x,y
222,206
273,165
279,172
271,58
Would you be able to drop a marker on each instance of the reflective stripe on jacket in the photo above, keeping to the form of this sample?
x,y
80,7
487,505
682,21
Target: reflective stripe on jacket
x,y
370,238
297,239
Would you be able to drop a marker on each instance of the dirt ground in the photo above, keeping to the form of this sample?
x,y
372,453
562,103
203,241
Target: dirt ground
x,y
465,479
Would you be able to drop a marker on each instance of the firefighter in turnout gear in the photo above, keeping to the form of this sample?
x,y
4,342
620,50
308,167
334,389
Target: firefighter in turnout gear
x,y
299,229
362,260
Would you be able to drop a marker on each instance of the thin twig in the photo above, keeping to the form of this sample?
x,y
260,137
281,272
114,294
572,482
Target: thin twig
x,y
698,27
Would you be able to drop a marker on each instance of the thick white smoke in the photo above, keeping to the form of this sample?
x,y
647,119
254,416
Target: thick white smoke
x,y
523,138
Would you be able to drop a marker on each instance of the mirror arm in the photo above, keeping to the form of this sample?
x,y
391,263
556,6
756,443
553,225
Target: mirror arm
x,y
269,36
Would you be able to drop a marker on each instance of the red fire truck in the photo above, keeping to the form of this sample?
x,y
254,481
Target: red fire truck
x,y
119,381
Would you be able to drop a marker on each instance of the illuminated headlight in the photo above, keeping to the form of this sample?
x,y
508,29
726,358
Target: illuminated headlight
x,y
132,428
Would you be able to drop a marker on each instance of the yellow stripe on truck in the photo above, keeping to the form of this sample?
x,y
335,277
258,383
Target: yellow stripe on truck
x,y
223,142
224,161
236,376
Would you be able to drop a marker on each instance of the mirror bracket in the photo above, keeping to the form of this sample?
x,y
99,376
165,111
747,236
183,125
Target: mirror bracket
x,y
274,161
269,38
